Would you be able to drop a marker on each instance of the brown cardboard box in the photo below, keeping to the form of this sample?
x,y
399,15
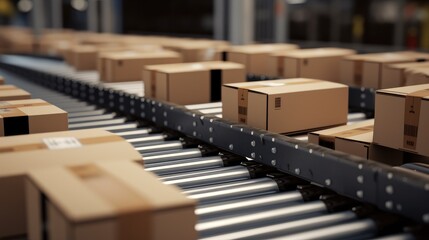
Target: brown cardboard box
x,y
111,201
100,59
318,63
19,154
367,70
84,57
276,66
402,118
10,92
356,139
415,76
127,66
1,80
191,83
287,105
256,57
395,75
31,116
197,51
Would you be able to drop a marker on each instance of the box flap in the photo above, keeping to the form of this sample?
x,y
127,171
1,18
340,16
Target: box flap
x,y
403,91
139,55
286,85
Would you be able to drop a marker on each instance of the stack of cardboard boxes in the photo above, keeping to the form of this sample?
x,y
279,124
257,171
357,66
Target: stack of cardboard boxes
x,y
84,184
398,134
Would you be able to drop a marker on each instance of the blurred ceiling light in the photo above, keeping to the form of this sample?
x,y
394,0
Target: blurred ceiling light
x,y
80,5
25,5
296,1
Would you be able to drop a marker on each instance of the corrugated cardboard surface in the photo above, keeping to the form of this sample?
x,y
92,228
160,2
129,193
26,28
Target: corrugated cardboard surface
x,y
18,154
42,116
1,80
289,105
136,205
390,116
127,66
319,63
10,92
394,75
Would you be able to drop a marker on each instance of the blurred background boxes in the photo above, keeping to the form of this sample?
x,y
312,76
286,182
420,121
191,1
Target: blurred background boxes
x,y
319,63
128,66
256,57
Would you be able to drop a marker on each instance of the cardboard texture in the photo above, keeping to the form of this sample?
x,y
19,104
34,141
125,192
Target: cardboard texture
x,y
395,75
19,154
318,63
416,76
1,80
191,83
367,70
256,57
356,139
127,66
115,200
287,105
10,92
31,116
402,118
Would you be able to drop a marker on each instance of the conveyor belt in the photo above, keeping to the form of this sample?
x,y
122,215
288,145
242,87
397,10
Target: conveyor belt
x,y
238,198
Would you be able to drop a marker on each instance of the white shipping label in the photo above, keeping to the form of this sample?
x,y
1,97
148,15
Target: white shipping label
x,y
62,143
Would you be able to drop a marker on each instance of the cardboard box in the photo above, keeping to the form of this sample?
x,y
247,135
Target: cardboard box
x,y
31,116
198,51
318,63
416,76
19,154
191,83
402,118
128,66
10,92
367,70
100,59
1,80
256,57
356,139
111,201
395,75
287,105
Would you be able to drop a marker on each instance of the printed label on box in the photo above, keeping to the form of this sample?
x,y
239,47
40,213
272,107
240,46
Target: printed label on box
x,y
62,143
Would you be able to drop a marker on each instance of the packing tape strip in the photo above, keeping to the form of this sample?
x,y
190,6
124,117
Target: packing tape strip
x,y
411,118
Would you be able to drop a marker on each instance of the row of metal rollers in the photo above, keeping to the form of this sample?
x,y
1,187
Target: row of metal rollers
x,y
238,198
